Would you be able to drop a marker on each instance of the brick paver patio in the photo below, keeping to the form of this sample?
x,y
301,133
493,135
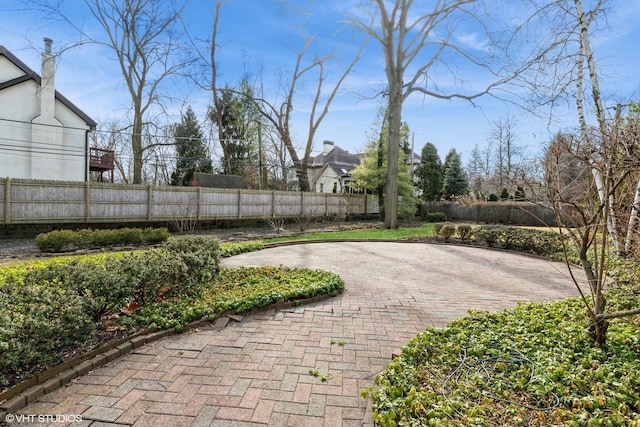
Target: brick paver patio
x,y
257,371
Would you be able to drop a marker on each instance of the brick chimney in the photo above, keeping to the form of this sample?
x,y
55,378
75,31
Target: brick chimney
x,y
47,83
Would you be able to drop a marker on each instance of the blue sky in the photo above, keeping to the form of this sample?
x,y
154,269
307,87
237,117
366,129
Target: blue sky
x,y
257,36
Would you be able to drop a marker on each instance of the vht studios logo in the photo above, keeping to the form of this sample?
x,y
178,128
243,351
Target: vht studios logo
x,y
29,418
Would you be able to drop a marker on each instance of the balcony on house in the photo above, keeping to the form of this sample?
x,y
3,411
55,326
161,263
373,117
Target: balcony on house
x,y
102,161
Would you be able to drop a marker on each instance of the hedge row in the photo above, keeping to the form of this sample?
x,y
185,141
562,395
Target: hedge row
x,y
541,242
65,240
48,309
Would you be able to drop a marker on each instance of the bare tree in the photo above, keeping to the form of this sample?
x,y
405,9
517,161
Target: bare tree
x,y
475,171
141,34
587,204
503,135
279,114
416,39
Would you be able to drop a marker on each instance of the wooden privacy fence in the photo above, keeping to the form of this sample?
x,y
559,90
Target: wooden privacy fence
x,y
41,202
514,213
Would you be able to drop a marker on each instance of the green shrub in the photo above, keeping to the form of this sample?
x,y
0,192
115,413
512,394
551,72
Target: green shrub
x,y
493,197
200,254
151,274
61,240
542,242
437,227
464,231
447,231
39,320
231,249
102,286
435,217
56,241
489,234
155,235
105,238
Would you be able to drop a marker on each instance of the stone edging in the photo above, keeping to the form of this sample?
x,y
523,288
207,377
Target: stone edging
x,y
26,392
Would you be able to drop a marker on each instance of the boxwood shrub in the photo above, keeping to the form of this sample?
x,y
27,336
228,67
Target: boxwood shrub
x,y
542,242
37,322
65,240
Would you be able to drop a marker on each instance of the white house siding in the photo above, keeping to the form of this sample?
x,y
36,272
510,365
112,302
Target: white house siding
x,y
326,181
33,151
38,143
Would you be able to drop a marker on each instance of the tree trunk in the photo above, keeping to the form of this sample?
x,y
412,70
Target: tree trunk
x,y
607,200
303,178
136,147
634,218
393,158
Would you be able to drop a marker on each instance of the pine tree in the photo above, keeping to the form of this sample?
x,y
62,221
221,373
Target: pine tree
x,y
454,181
191,150
429,173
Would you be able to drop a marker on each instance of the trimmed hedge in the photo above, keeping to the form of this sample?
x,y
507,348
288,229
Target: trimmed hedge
x,y
66,240
541,242
57,306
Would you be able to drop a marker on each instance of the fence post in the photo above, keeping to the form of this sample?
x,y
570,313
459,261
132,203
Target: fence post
x,y
326,204
301,204
273,203
149,201
198,204
239,204
7,201
87,201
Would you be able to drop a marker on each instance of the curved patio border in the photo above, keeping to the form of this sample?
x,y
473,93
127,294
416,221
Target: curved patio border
x,y
260,370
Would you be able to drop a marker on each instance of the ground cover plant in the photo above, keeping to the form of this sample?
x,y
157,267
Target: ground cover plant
x,y
57,308
534,365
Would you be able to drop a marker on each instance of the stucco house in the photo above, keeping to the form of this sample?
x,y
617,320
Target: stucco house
x,y
43,135
330,172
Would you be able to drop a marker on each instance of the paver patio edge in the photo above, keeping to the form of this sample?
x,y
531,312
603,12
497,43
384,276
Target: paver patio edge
x,y
25,392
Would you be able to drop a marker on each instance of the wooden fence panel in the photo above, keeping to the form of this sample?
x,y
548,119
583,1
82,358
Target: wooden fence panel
x,y
38,202
170,203
222,204
117,203
46,202
514,213
256,204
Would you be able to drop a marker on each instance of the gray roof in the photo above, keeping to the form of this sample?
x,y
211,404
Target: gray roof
x,y
340,160
29,74
212,180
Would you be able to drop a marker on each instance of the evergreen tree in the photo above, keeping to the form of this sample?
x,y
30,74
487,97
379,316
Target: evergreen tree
x,y
454,180
429,173
371,173
191,150
475,172
237,121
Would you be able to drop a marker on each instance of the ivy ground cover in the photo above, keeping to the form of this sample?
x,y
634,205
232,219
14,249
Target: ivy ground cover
x,y
534,365
51,310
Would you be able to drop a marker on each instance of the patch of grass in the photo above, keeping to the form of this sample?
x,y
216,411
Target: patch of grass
x,y
373,234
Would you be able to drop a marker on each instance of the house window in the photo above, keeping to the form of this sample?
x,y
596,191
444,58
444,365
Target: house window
x,y
321,187
335,187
